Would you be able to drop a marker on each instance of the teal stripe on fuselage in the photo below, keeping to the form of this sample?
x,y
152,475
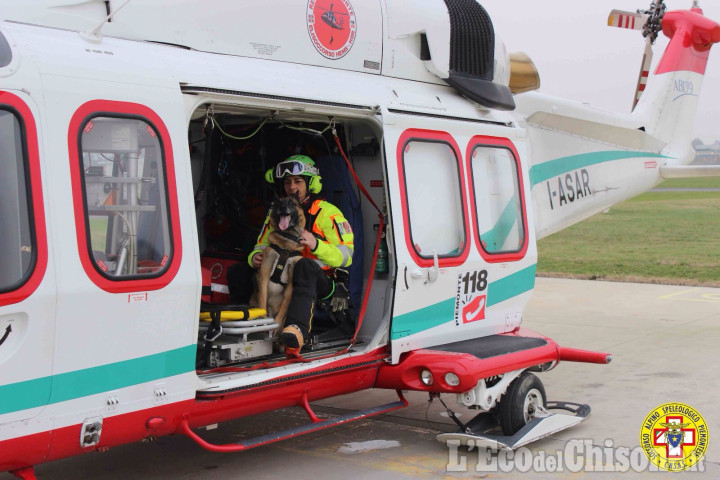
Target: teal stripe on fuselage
x,y
91,381
553,168
511,286
496,237
442,312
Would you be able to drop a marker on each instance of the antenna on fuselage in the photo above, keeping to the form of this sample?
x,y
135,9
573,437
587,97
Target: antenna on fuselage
x,y
95,34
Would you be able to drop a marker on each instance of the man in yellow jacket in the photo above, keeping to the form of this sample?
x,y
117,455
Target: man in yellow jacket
x,y
328,241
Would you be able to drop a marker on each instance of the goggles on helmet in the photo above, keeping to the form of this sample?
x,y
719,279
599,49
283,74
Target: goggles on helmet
x,y
295,167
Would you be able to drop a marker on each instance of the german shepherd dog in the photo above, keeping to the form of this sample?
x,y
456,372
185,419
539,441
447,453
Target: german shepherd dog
x,y
274,277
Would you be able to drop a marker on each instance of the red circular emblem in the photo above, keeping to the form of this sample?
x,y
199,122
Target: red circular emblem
x,y
332,28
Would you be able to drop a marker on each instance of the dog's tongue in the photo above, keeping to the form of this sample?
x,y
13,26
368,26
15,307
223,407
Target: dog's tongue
x,y
284,222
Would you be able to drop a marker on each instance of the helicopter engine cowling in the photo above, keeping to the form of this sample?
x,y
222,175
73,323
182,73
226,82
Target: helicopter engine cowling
x,y
458,45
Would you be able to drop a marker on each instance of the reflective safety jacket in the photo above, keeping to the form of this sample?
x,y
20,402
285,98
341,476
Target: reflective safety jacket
x,y
330,227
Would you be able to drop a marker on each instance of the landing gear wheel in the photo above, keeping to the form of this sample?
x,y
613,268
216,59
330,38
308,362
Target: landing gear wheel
x,y
523,399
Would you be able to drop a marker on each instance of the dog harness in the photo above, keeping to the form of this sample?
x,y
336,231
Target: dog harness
x,y
327,223
285,255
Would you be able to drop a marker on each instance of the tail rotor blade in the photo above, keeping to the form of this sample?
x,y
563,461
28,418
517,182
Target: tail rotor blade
x,y
649,22
630,20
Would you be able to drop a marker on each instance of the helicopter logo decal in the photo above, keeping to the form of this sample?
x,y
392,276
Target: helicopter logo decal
x,y
332,27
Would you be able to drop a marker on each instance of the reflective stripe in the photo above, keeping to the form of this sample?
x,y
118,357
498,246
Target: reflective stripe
x,y
263,232
266,225
346,253
220,288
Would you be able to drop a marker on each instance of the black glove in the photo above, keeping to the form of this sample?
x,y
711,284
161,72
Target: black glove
x,y
340,275
340,298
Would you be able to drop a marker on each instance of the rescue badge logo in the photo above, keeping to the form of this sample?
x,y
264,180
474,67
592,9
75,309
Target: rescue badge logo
x,y
332,27
674,437
471,297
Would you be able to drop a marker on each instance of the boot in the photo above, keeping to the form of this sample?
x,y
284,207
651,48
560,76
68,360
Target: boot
x,y
292,339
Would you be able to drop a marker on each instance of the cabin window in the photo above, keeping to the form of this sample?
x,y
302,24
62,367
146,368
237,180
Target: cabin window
x,y
23,246
17,243
435,211
125,215
497,191
124,188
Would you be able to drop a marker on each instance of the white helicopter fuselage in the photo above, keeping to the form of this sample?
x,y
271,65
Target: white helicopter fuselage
x,y
468,190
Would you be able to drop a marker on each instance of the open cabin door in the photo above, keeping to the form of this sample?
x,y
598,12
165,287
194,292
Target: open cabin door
x,y
465,255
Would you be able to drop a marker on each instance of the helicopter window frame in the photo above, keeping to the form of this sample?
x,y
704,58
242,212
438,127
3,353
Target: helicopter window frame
x,y
483,141
154,280
34,208
438,137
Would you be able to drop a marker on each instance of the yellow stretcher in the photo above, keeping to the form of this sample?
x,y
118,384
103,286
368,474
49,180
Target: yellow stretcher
x,y
234,315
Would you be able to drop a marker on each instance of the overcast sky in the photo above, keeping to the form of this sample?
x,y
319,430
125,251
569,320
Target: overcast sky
x,y
581,58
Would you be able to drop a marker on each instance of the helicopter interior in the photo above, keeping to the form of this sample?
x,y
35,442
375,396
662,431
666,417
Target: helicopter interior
x,y
231,149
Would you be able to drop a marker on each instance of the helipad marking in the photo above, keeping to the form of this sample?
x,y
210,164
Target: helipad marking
x,y
694,295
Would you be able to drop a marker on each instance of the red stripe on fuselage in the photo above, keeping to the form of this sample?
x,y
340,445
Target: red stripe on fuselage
x,y
65,442
355,374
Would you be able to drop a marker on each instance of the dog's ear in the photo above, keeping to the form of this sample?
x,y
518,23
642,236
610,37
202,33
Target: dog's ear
x,y
276,197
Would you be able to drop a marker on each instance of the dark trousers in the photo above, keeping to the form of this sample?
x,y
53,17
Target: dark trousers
x,y
240,283
309,283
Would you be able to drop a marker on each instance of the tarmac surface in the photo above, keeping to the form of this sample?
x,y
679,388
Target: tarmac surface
x,y
666,345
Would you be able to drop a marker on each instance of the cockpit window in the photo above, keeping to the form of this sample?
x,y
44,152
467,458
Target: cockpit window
x,y
5,52
17,243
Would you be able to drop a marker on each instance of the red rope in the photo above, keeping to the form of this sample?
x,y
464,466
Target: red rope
x,y
371,276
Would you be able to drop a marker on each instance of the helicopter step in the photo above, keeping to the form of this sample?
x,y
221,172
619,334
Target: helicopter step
x,y
476,431
315,425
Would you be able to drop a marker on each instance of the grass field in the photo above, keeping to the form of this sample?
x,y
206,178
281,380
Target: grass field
x,y
658,237
98,232
707,182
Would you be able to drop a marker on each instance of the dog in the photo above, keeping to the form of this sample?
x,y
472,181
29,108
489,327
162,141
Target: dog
x,y
274,277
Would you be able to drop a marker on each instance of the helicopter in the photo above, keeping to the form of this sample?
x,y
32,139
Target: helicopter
x,y
134,152
330,19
